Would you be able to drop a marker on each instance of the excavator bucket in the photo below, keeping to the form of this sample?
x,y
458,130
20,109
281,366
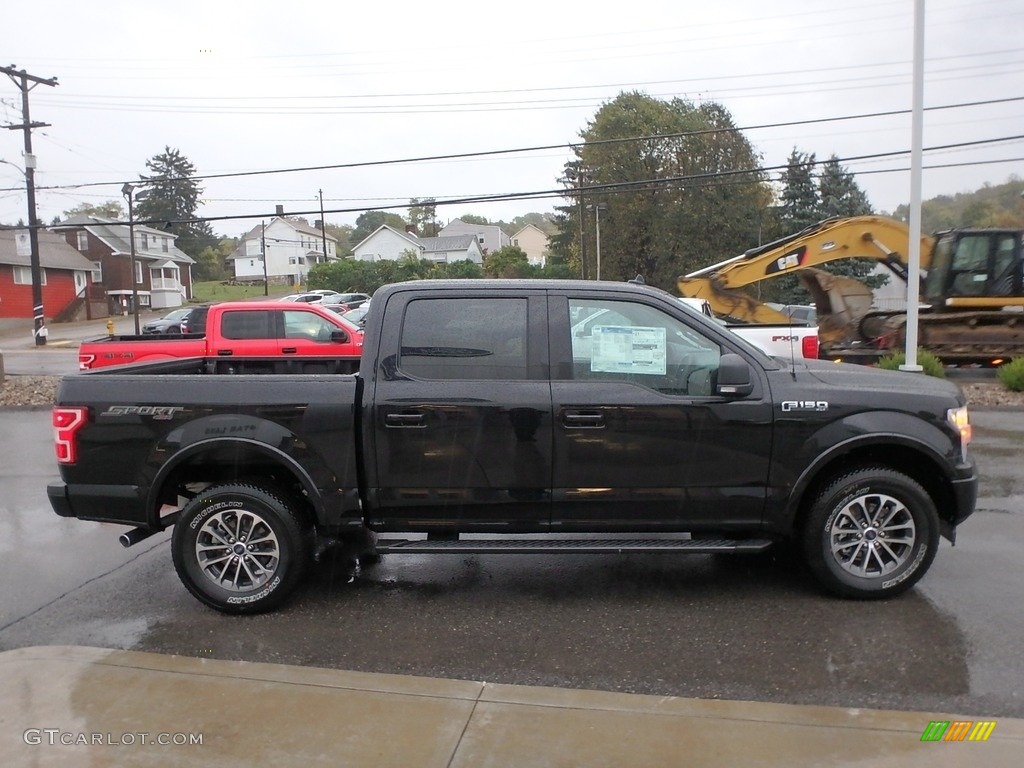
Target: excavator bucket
x,y
841,303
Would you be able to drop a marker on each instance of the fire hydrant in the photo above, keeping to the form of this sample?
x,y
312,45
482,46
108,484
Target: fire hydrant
x,y
110,326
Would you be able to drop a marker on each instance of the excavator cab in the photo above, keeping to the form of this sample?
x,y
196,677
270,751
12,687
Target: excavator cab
x,y
974,269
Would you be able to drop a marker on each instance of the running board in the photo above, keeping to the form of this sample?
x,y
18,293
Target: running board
x,y
569,546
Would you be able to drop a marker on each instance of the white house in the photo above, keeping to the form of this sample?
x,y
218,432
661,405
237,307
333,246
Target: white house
x,y
534,243
389,244
489,237
292,247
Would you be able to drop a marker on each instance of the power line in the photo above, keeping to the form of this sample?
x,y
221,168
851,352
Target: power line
x,y
563,146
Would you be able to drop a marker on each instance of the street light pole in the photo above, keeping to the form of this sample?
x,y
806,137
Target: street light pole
x,y
128,191
598,207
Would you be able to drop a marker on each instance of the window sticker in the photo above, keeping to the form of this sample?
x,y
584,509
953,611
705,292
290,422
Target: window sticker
x,y
628,349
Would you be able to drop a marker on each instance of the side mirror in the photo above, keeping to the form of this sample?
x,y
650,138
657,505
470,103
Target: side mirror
x,y
733,376
339,336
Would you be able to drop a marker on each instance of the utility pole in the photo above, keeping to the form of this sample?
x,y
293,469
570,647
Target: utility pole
x,y
263,248
21,79
323,224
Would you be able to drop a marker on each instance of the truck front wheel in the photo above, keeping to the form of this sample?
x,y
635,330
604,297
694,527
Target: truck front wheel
x,y
871,533
241,548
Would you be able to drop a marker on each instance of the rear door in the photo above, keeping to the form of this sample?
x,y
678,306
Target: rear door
x,y
246,333
641,440
461,415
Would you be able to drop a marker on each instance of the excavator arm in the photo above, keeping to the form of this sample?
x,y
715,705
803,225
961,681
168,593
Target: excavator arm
x,y
869,237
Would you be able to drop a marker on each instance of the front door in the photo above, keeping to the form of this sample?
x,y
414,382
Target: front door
x,y
641,440
461,417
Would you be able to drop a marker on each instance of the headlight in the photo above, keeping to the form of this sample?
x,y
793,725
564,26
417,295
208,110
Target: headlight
x,y
960,421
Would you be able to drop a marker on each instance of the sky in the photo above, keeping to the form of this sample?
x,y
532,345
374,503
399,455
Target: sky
x,y
352,91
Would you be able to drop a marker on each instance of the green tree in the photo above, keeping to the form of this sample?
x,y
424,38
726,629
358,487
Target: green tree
x,y
839,193
111,209
423,216
801,204
369,222
209,265
458,270
343,233
687,194
170,198
509,262
470,218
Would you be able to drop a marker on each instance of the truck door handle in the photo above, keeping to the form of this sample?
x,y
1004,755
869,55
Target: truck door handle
x,y
405,420
289,350
582,419
224,353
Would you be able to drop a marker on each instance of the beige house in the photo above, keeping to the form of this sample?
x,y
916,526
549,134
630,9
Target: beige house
x,y
532,240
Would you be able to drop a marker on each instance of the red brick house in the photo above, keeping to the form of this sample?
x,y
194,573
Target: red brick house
x,y
64,272
163,272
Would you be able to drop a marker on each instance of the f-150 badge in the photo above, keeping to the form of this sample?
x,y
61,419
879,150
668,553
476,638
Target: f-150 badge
x,y
804,405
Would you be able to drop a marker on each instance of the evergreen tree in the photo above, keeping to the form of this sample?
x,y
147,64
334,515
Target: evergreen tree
x,y
801,204
839,194
170,199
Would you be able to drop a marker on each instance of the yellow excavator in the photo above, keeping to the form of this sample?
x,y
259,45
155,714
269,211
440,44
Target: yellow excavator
x,y
972,295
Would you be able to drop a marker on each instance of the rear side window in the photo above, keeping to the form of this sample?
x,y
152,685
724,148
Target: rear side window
x,y
465,338
247,324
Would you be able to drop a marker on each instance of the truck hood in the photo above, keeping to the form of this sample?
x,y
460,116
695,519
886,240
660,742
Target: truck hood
x,y
865,379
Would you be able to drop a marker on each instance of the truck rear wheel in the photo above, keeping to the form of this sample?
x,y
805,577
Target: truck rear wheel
x,y
871,533
241,548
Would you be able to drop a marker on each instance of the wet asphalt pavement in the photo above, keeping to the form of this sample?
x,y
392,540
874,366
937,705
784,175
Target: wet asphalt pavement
x,y
691,626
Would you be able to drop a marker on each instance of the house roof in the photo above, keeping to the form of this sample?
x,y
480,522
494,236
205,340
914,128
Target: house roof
x,y
116,237
298,226
451,243
413,239
529,226
54,253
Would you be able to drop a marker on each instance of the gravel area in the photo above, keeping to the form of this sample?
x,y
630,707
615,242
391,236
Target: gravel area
x,y
40,390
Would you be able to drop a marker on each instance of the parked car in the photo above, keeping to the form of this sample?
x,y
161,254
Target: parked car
x,y
303,298
195,320
342,302
357,315
324,291
169,323
180,320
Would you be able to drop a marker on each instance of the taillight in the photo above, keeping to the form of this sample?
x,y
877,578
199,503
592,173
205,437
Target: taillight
x,y
66,423
809,346
85,362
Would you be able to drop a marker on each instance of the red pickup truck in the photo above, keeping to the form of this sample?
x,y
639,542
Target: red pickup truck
x,y
245,329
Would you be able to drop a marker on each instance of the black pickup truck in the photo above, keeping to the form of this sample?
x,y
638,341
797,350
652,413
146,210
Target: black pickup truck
x,y
487,410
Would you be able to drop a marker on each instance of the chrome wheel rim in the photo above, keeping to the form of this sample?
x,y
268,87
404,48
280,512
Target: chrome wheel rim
x,y
872,536
237,550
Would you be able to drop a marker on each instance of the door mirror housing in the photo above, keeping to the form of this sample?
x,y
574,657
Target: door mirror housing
x,y
339,336
734,376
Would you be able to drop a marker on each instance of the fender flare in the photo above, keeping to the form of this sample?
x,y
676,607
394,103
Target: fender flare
x,y
180,457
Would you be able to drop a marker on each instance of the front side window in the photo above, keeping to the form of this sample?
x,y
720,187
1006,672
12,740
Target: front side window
x,y
624,341
306,325
465,338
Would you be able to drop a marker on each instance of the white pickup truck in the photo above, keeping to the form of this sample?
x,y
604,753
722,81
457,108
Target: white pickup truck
x,y
776,340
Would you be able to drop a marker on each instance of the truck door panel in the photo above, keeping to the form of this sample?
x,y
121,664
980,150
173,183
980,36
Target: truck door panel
x,y
462,418
640,440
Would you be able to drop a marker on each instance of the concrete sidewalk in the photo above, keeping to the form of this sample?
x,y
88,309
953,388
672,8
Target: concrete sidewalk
x,y
19,335
71,706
